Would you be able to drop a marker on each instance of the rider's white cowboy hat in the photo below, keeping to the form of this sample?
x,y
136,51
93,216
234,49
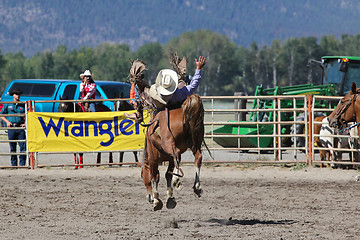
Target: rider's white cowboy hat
x,y
165,85
166,82
86,73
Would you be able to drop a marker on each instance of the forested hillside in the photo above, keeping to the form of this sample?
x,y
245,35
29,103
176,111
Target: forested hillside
x,y
246,43
32,26
230,68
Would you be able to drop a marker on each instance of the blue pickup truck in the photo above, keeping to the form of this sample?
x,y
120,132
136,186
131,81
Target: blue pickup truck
x,y
54,89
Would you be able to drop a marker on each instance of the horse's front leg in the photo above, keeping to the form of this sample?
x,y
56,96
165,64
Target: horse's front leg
x,y
198,161
145,174
155,188
150,176
170,202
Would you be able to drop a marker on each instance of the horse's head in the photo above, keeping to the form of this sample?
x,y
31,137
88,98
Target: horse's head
x,y
65,106
100,107
346,110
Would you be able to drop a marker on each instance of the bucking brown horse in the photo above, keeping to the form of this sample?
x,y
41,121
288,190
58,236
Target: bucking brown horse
x,y
172,132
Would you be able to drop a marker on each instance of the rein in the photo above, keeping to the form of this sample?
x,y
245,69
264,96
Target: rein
x,y
150,123
178,175
352,126
173,143
344,109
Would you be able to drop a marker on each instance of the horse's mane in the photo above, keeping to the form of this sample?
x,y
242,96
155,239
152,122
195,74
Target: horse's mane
x,y
193,111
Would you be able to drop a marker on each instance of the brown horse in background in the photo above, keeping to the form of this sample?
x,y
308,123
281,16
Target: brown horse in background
x,y
171,133
347,109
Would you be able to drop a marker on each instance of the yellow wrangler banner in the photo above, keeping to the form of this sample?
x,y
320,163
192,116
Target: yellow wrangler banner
x,y
90,131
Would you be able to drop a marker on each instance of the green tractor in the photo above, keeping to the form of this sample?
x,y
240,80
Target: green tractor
x,y
337,75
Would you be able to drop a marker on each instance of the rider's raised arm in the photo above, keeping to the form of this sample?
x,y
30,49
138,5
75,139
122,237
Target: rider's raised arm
x,y
181,94
200,63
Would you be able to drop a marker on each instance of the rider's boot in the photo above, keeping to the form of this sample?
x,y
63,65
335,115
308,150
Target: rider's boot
x,y
138,117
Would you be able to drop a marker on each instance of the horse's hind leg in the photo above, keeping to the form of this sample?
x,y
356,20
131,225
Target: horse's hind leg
x,y
170,202
198,161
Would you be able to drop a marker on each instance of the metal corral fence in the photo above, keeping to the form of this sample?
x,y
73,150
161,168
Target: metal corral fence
x,y
263,129
238,129
4,141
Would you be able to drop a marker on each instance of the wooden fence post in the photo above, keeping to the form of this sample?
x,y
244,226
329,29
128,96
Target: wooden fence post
x,y
32,158
310,130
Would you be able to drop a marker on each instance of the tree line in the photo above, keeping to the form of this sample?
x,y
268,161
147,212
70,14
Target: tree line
x,y
230,68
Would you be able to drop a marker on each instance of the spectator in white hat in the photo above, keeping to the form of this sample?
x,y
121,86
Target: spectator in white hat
x,y
88,89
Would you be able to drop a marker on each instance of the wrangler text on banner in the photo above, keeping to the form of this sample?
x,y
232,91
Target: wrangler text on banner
x,y
90,131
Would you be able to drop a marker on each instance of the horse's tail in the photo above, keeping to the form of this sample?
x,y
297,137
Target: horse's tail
x,y
193,110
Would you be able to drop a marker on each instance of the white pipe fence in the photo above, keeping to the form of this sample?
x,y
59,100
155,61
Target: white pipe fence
x,y
238,129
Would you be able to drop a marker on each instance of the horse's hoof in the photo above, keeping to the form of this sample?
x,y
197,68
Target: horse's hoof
x,y
357,178
177,184
158,205
149,198
197,190
171,203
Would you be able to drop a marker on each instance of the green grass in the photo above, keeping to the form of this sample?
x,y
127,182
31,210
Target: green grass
x,y
299,166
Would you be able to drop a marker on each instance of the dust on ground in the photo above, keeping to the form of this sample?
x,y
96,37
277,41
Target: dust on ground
x,y
237,203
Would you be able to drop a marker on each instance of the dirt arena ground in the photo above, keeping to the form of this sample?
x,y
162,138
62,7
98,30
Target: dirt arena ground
x,y
237,203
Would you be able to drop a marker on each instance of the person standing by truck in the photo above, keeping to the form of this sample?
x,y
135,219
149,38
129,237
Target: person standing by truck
x,y
15,121
88,89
